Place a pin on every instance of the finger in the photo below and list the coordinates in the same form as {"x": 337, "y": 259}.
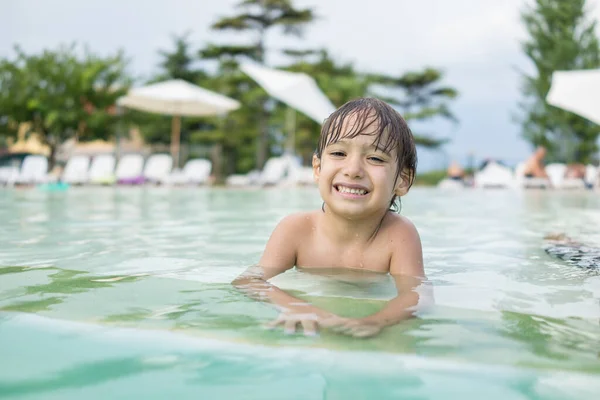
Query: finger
{"x": 331, "y": 321}
{"x": 275, "y": 323}
{"x": 364, "y": 331}
{"x": 289, "y": 327}
{"x": 341, "y": 329}
{"x": 309, "y": 327}
{"x": 345, "y": 326}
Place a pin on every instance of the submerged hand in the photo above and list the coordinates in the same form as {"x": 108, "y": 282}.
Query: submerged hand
{"x": 290, "y": 320}
{"x": 356, "y": 327}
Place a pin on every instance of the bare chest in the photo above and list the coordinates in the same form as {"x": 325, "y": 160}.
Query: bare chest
{"x": 319, "y": 253}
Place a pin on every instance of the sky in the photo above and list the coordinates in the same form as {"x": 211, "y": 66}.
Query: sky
{"x": 475, "y": 42}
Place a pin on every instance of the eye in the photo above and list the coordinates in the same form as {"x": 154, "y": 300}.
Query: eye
{"x": 337, "y": 153}
{"x": 376, "y": 159}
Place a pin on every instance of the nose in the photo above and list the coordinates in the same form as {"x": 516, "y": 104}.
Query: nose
{"x": 353, "y": 167}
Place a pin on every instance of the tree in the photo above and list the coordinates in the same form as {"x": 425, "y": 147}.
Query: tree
{"x": 176, "y": 63}
{"x": 259, "y": 17}
{"x": 233, "y": 137}
{"x": 422, "y": 98}
{"x": 560, "y": 37}
{"x": 61, "y": 95}
{"x": 339, "y": 82}
{"x": 179, "y": 63}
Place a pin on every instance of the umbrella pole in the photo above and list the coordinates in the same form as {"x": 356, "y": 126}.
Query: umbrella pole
{"x": 291, "y": 128}
{"x": 175, "y": 137}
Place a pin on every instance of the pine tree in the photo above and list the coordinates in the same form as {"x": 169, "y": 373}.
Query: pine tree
{"x": 259, "y": 17}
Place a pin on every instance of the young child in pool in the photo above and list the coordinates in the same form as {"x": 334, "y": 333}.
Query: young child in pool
{"x": 365, "y": 160}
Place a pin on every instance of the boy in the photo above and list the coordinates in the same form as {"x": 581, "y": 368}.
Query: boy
{"x": 365, "y": 160}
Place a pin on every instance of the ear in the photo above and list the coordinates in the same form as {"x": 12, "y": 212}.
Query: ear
{"x": 316, "y": 166}
{"x": 402, "y": 185}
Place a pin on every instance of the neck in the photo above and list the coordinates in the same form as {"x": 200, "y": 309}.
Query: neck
{"x": 345, "y": 230}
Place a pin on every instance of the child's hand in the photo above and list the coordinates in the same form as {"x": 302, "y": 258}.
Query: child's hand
{"x": 356, "y": 327}
{"x": 307, "y": 318}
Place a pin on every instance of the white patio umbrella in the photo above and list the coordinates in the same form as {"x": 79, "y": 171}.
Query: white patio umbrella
{"x": 177, "y": 98}
{"x": 578, "y": 92}
{"x": 297, "y": 90}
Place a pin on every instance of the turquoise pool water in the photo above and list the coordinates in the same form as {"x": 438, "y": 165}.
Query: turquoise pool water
{"x": 124, "y": 292}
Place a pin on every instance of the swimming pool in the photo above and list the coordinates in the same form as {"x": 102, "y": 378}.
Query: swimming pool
{"x": 124, "y": 292}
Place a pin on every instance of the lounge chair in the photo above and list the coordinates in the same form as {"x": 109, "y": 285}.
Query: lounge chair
{"x": 525, "y": 182}
{"x": 76, "y": 170}
{"x": 158, "y": 167}
{"x": 451, "y": 184}
{"x": 277, "y": 170}
{"x": 494, "y": 175}
{"x": 102, "y": 170}
{"x": 8, "y": 175}
{"x": 195, "y": 172}
{"x": 299, "y": 175}
{"x": 34, "y": 170}
{"x": 556, "y": 172}
{"x": 592, "y": 176}
{"x": 243, "y": 180}
{"x": 130, "y": 169}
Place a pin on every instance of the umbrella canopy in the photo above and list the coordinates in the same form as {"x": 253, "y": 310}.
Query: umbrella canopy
{"x": 297, "y": 90}
{"x": 177, "y": 98}
{"x": 578, "y": 92}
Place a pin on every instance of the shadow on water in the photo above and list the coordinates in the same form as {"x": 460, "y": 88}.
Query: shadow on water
{"x": 79, "y": 375}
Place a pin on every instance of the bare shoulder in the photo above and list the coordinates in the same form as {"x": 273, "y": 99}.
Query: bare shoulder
{"x": 282, "y": 247}
{"x": 399, "y": 227}
{"x": 298, "y": 222}
{"x": 294, "y": 226}
{"x": 405, "y": 245}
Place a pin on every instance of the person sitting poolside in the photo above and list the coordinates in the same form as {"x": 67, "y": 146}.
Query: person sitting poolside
{"x": 455, "y": 172}
{"x": 365, "y": 161}
{"x": 534, "y": 165}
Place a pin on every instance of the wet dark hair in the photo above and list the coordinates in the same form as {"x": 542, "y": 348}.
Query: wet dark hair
{"x": 392, "y": 132}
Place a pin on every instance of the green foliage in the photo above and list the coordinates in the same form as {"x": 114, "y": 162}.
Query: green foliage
{"x": 560, "y": 37}
{"x": 340, "y": 83}
{"x": 431, "y": 178}
{"x": 421, "y": 98}
{"x": 259, "y": 17}
{"x": 62, "y": 94}
{"x": 180, "y": 62}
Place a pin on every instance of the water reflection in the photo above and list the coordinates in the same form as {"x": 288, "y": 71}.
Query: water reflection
{"x": 219, "y": 311}
{"x": 500, "y": 298}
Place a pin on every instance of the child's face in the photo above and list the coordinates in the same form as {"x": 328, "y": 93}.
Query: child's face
{"x": 356, "y": 179}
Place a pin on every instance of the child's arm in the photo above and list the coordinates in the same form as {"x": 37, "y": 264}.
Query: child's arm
{"x": 406, "y": 267}
{"x": 278, "y": 257}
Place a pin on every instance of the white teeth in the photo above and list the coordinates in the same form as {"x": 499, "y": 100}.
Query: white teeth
{"x": 343, "y": 189}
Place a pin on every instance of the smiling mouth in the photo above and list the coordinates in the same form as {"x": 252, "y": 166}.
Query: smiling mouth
{"x": 350, "y": 190}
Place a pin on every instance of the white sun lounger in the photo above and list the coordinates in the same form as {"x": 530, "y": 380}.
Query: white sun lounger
{"x": 592, "y": 176}
{"x": 243, "y": 180}
{"x": 451, "y": 184}
{"x": 556, "y": 173}
{"x": 33, "y": 170}
{"x": 102, "y": 170}
{"x": 494, "y": 175}
{"x": 158, "y": 167}
{"x": 130, "y": 169}
{"x": 524, "y": 182}
{"x": 76, "y": 170}
{"x": 195, "y": 172}
{"x": 8, "y": 175}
